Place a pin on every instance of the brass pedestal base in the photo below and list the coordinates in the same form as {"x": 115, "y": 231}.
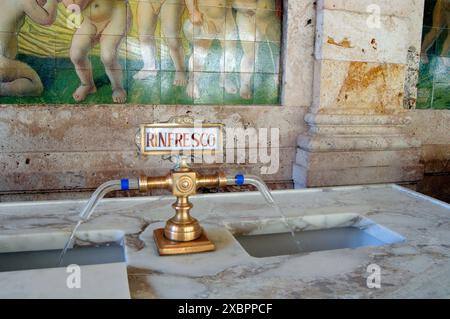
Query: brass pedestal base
{"x": 168, "y": 247}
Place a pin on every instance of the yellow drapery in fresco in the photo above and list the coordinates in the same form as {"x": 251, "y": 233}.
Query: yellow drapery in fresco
{"x": 54, "y": 41}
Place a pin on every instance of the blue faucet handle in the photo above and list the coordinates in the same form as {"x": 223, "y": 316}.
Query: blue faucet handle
{"x": 240, "y": 180}
{"x": 124, "y": 184}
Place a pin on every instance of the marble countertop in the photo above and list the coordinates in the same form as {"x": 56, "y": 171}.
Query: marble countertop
{"x": 419, "y": 267}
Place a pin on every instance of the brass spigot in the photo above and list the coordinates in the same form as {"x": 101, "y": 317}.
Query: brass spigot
{"x": 182, "y": 233}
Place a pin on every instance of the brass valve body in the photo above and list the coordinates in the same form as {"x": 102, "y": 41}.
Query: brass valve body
{"x": 182, "y": 229}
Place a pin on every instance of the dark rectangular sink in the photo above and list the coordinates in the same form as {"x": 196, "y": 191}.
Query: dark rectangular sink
{"x": 274, "y": 238}
{"x": 306, "y": 241}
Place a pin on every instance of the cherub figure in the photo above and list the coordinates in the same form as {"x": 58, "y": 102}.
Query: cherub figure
{"x": 105, "y": 22}
{"x": 17, "y": 78}
{"x": 259, "y": 15}
{"x": 210, "y": 20}
{"x": 171, "y": 12}
{"x": 441, "y": 20}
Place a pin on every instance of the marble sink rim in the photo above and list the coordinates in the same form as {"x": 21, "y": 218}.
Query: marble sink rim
{"x": 32, "y": 239}
{"x": 237, "y": 194}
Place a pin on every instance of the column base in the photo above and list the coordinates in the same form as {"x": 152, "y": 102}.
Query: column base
{"x": 350, "y": 150}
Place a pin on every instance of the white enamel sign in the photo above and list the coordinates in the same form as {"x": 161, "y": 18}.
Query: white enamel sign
{"x": 176, "y": 138}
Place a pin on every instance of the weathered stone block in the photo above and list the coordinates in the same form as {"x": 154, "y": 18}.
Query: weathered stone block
{"x": 356, "y": 175}
{"x": 298, "y": 47}
{"x": 398, "y": 8}
{"x": 341, "y": 160}
{"x": 350, "y": 36}
{"x": 358, "y": 87}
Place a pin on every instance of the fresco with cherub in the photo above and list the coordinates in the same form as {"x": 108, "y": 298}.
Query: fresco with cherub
{"x": 140, "y": 52}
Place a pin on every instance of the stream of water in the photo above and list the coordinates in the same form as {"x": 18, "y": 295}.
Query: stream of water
{"x": 87, "y": 212}
{"x": 88, "y": 209}
{"x": 265, "y": 192}
{"x": 69, "y": 242}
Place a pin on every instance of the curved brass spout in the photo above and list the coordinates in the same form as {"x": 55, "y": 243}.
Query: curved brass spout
{"x": 183, "y": 182}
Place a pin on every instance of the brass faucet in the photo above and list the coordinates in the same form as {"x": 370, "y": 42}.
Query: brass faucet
{"x": 182, "y": 233}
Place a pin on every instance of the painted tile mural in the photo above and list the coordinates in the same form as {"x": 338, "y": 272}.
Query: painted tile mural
{"x": 140, "y": 51}
{"x": 434, "y": 78}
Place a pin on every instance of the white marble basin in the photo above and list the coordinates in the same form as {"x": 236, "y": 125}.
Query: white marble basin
{"x": 278, "y": 237}
{"x": 416, "y": 266}
{"x": 94, "y": 267}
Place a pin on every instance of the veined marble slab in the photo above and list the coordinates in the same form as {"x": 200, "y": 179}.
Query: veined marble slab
{"x": 417, "y": 267}
{"x": 107, "y": 281}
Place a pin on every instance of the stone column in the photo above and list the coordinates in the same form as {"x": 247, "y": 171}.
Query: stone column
{"x": 357, "y": 120}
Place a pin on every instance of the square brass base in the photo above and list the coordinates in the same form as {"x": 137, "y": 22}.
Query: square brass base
{"x": 168, "y": 247}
